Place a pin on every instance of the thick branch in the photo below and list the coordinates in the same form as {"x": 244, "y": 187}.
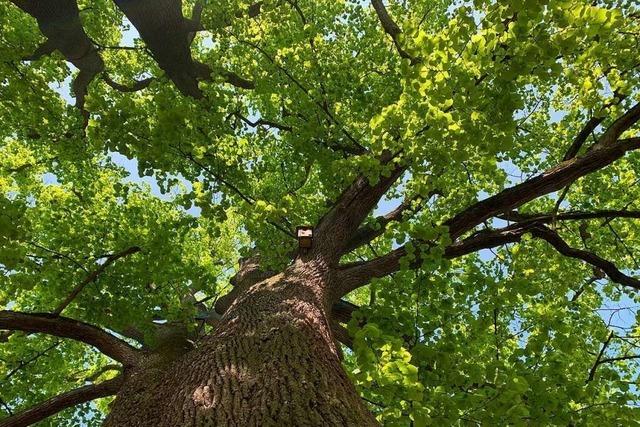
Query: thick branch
{"x": 59, "y": 21}
{"x": 63, "y": 401}
{"x": 570, "y": 215}
{"x": 68, "y": 328}
{"x": 168, "y": 36}
{"x": 339, "y": 225}
{"x": 549, "y": 181}
{"x": 607, "y": 150}
{"x": 353, "y": 275}
{"x": 93, "y": 276}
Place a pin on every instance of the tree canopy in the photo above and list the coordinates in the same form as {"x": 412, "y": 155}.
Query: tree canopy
{"x": 497, "y": 281}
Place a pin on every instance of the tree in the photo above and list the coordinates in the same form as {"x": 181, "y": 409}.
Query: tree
{"x": 470, "y": 170}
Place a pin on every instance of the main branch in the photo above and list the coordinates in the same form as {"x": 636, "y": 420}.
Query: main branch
{"x": 59, "y": 21}
{"x": 337, "y": 228}
{"x": 353, "y": 275}
{"x": 68, "y": 328}
{"x": 606, "y": 151}
{"x": 168, "y": 35}
{"x": 63, "y": 401}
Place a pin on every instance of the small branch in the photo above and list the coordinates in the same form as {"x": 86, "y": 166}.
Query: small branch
{"x": 44, "y": 49}
{"x": 623, "y": 123}
{"x": 63, "y": 401}
{"x": 588, "y": 128}
{"x": 580, "y": 139}
{"x": 93, "y": 276}
{"x": 592, "y": 372}
{"x": 137, "y": 86}
{"x": 64, "y": 327}
{"x": 262, "y": 122}
{"x": 32, "y": 359}
{"x": 237, "y": 81}
{"x": 391, "y": 28}
{"x": 111, "y": 367}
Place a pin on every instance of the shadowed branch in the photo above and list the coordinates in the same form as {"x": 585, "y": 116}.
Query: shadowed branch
{"x": 64, "y": 327}
{"x": 63, "y": 401}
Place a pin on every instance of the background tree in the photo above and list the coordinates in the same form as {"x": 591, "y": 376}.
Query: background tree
{"x": 470, "y": 170}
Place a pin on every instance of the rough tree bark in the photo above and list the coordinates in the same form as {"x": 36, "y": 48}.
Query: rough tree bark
{"x": 272, "y": 360}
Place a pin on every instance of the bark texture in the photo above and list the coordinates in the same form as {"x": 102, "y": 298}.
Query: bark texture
{"x": 272, "y": 361}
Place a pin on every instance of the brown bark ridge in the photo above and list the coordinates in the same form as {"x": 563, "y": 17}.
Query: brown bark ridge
{"x": 272, "y": 361}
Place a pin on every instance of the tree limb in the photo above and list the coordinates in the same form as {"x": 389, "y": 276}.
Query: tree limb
{"x": 93, "y": 276}
{"x": 391, "y": 28}
{"x": 561, "y": 246}
{"x": 588, "y": 128}
{"x": 569, "y": 216}
{"x": 607, "y": 150}
{"x": 59, "y": 21}
{"x": 68, "y": 328}
{"x": 138, "y": 85}
{"x": 592, "y": 372}
{"x": 549, "y": 181}
{"x": 353, "y": 275}
{"x": 63, "y": 401}
{"x": 338, "y": 226}
{"x": 342, "y": 334}
{"x": 168, "y": 36}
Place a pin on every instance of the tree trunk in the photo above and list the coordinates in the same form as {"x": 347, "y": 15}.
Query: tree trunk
{"x": 271, "y": 361}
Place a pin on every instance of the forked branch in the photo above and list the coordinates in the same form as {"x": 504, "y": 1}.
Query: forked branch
{"x": 554, "y": 239}
{"x": 168, "y": 35}
{"x": 351, "y": 276}
{"x": 606, "y": 151}
{"x": 340, "y": 224}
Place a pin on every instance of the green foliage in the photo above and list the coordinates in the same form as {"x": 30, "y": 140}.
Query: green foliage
{"x": 499, "y": 91}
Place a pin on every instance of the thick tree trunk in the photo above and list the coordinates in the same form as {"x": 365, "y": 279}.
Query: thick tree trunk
{"x": 271, "y": 361}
